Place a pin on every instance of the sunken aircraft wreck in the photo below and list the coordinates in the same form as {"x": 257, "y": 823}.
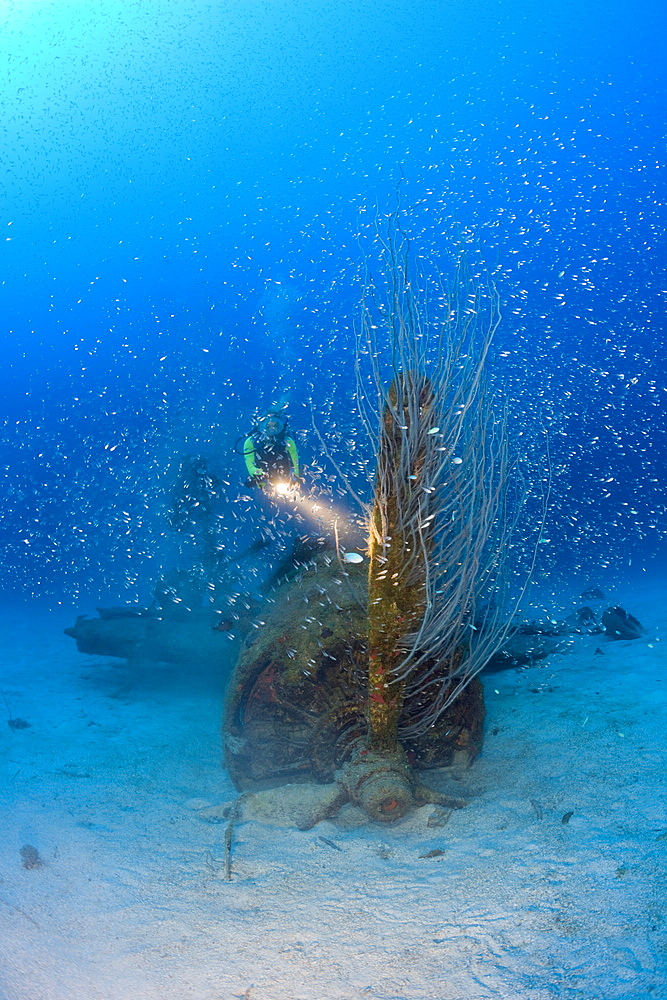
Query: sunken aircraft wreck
{"x": 360, "y": 672}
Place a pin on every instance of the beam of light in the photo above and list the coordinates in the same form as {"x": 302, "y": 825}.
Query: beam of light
{"x": 326, "y": 516}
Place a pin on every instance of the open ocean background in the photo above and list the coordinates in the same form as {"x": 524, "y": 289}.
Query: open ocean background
{"x": 187, "y": 193}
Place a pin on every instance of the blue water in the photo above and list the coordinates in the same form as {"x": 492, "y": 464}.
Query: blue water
{"x": 187, "y": 192}
{"x": 190, "y": 192}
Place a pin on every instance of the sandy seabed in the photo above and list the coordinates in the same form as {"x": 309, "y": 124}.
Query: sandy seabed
{"x": 550, "y": 884}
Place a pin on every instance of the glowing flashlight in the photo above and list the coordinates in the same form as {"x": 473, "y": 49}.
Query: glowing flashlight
{"x": 282, "y": 489}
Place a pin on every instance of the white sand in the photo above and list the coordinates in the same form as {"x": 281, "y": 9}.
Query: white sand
{"x": 131, "y": 902}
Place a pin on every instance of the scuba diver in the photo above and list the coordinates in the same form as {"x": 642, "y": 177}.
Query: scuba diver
{"x": 271, "y": 455}
{"x": 193, "y": 511}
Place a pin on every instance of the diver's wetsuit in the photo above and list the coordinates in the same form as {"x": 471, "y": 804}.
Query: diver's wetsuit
{"x": 272, "y": 458}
